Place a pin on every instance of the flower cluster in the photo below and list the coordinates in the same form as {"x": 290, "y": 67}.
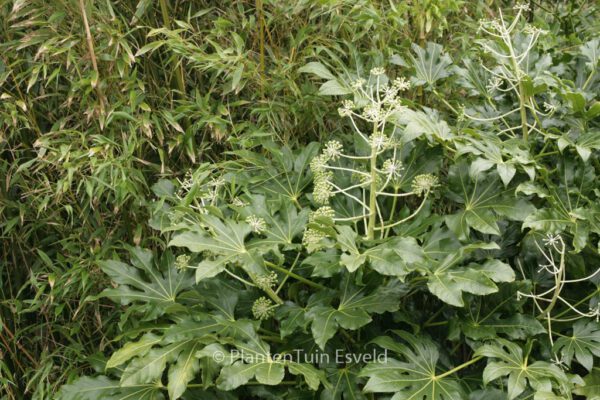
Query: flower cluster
{"x": 424, "y": 183}
{"x": 267, "y": 281}
{"x": 321, "y": 212}
{"x": 257, "y": 224}
{"x": 333, "y": 150}
{"x": 182, "y": 261}
{"x": 392, "y": 168}
{"x": 237, "y": 202}
{"x": 322, "y": 187}
{"x": 346, "y": 109}
{"x": 263, "y": 308}
{"x": 314, "y": 236}
{"x": 379, "y": 141}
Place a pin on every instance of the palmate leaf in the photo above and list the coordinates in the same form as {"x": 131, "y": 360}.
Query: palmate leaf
{"x": 286, "y": 173}
{"x": 251, "y": 359}
{"x": 570, "y": 204}
{"x": 491, "y": 152}
{"x": 354, "y": 309}
{"x": 448, "y": 278}
{"x": 431, "y": 63}
{"x": 183, "y": 370}
{"x": 590, "y": 387}
{"x": 343, "y": 384}
{"x": 154, "y": 286}
{"x": 540, "y": 375}
{"x": 416, "y": 377}
{"x": 133, "y": 349}
{"x": 485, "y": 201}
{"x": 517, "y": 326}
{"x": 103, "y": 388}
{"x": 284, "y": 222}
{"x": 394, "y": 257}
{"x": 584, "y": 344}
{"x": 225, "y": 242}
{"x": 426, "y": 122}
{"x": 148, "y": 368}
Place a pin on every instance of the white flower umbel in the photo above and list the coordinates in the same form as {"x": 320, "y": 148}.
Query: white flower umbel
{"x": 374, "y": 176}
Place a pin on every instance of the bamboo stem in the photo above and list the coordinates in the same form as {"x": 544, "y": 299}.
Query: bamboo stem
{"x": 90, "y": 44}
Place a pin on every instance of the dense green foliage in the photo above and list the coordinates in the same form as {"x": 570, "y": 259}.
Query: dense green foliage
{"x": 248, "y": 199}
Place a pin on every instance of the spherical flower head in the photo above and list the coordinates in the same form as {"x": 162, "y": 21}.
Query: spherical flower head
{"x": 377, "y": 71}
{"x": 424, "y": 183}
{"x": 217, "y": 183}
{"x": 346, "y": 109}
{"x": 182, "y": 261}
{"x": 372, "y": 112}
{"x": 266, "y": 282}
{"x": 312, "y": 237}
{"x": 237, "y": 202}
{"x": 533, "y": 30}
{"x": 321, "y": 212}
{"x": 359, "y": 83}
{"x": 257, "y": 224}
{"x": 494, "y": 84}
{"x": 318, "y": 164}
{"x": 389, "y": 95}
{"x": 523, "y": 7}
{"x": 263, "y": 308}
{"x": 401, "y": 84}
{"x": 333, "y": 150}
{"x": 322, "y": 188}
{"x": 392, "y": 168}
{"x": 379, "y": 141}
{"x": 551, "y": 240}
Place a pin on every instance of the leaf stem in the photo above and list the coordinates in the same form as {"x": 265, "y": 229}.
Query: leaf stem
{"x": 295, "y": 276}
{"x": 458, "y": 368}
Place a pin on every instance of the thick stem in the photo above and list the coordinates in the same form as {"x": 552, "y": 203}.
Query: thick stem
{"x": 522, "y": 96}
{"x": 373, "y": 192}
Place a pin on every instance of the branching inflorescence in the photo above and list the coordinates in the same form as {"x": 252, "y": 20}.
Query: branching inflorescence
{"x": 375, "y": 175}
{"x": 553, "y": 252}
{"x": 511, "y": 44}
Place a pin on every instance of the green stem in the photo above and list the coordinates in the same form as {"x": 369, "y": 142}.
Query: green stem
{"x": 373, "y": 192}
{"x": 589, "y": 79}
{"x": 558, "y": 279}
{"x": 461, "y": 366}
{"x": 164, "y": 9}
{"x": 287, "y": 275}
{"x": 274, "y": 296}
{"x": 393, "y": 211}
{"x": 522, "y": 96}
{"x": 295, "y": 276}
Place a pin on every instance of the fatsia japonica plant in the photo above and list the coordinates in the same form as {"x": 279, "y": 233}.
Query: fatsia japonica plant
{"x": 416, "y": 255}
